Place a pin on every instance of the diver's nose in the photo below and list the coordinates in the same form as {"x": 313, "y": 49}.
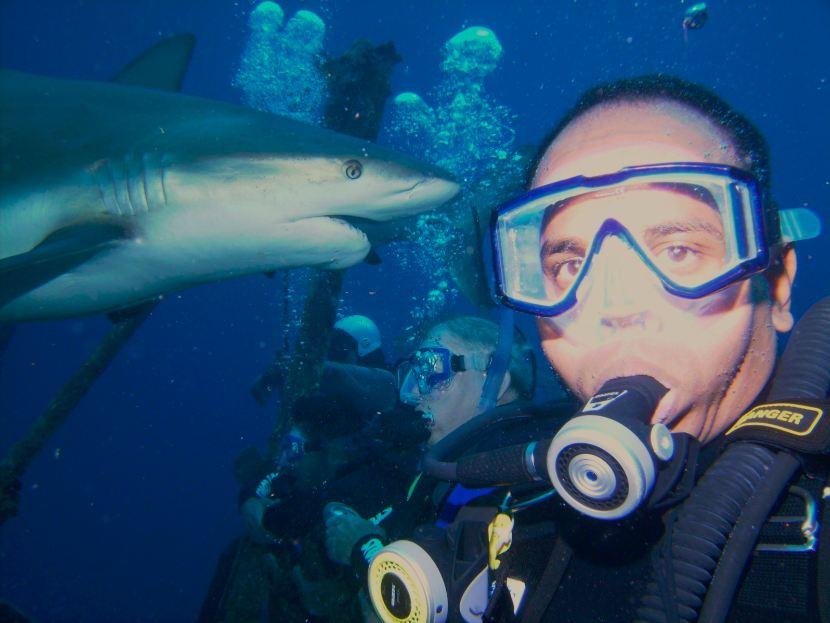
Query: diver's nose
{"x": 622, "y": 281}
{"x": 615, "y": 321}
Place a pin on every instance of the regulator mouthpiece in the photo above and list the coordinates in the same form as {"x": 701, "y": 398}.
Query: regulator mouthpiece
{"x": 604, "y": 461}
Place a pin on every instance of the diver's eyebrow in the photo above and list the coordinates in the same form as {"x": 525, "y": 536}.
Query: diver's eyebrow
{"x": 561, "y": 245}
{"x": 682, "y": 227}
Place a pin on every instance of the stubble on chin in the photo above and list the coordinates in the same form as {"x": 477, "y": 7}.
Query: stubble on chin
{"x": 702, "y": 404}
{"x": 751, "y": 373}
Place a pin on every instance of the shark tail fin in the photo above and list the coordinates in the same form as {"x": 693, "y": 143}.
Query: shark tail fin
{"x": 161, "y": 67}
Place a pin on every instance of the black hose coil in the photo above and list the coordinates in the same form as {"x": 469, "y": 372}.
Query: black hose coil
{"x": 704, "y": 538}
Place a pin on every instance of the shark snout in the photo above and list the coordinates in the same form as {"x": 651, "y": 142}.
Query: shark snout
{"x": 432, "y": 189}
{"x": 421, "y": 185}
{"x": 410, "y": 198}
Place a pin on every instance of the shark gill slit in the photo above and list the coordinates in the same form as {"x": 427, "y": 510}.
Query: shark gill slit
{"x": 151, "y": 171}
{"x": 148, "y": 198}
{"x": 130, "y": 181}
{"x": 103, "y": 178}
{"x": 132, "y": 185}
{"x": 120, "y": 186}
{"x": 112, "y": 179}
{"x": 136, "y": 187}
{"x": 163, "y": 178}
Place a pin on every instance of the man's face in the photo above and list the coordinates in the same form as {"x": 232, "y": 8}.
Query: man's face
{"x": 454, "y": 402}
{"x": 714, "y": 354}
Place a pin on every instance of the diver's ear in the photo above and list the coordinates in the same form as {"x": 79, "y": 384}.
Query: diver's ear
{"x": 781, "y": 278}
{"x": 505, "y": 384}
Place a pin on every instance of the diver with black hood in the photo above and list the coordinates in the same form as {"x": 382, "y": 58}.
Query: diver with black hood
{"x": 690, "y": 481}
{"x": 328, "y": 433}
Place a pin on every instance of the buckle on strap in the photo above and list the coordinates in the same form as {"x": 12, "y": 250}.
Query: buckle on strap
{"x": 808, "y": 525}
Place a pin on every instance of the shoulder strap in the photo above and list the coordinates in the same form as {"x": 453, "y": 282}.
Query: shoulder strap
{"x": 560, "y": 558}
{"x": 801, "y": 426}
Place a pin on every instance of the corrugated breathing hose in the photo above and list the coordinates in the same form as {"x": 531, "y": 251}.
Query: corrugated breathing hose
{"x": 713, "y": 532}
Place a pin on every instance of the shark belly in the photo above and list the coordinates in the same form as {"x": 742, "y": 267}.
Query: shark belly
{"x": 163, "y": 258}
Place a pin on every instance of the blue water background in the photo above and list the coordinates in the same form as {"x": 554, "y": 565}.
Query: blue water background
{"x": 124, "y": 515}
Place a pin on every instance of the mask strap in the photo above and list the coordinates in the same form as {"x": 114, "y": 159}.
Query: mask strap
{"x": 799, "y": 224}
{"x": 458, "y": 363}
{"x": 499, "y": 362}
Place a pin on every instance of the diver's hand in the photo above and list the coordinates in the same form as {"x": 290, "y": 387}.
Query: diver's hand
{"x": 252, "y": 511}
{"x": 344, "y": 528}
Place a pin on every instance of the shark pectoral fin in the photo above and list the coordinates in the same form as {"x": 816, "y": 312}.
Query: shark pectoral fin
{"x": 161, "y": 67}
{"x": 127, "y": 313}
{"x": 59, "y": 252}
{"x": 372, "y": 258}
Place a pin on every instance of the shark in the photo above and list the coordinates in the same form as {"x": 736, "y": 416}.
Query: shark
{"x": 115, "y": 193}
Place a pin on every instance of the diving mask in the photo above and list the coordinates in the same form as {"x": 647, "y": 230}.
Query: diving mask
{"x": 696, "y": 227}
{"x": 430, "y": 369}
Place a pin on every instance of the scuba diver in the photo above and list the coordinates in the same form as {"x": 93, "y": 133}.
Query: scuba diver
{"x": 443, "y": 380}
{"x": 690, "y": 482}
{"x": 356, "y": 339}
{"x": 324, "y": 446}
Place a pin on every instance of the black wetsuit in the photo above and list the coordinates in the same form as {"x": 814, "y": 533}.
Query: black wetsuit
{"x": 362, "y": 450}
{"x": 424, "y": 499}
{"x": 371, "y": 486}
{"x": 603, "y": 567}
{"x": 369, "y": 477}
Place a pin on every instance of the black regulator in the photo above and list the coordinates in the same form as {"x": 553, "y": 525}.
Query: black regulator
{"x": 606, "y": 461}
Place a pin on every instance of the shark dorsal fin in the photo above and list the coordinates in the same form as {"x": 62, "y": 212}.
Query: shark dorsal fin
{"x": 162, "y": 66}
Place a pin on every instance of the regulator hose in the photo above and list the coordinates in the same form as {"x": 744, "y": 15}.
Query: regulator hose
{"x": 499, "y": 364}
{"x": 711, "y": 535}
{"x": 439, "y": 461}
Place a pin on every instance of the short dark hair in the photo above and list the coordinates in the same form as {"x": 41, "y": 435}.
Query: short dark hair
{"x": 745, "y": 137}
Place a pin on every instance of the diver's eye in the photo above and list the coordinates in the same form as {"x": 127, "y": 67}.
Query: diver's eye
{"x": 352, "y": 169}
{"x": 680, "y": 258}
{"x": 563, "y": 272}
{"x": 678, "y": 253}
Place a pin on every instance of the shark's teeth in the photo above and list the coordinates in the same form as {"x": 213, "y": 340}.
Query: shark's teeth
{"x": 131, "y": 185}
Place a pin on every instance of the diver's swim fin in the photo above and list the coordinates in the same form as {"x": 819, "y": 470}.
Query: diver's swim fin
{"x": 58, "y": 253}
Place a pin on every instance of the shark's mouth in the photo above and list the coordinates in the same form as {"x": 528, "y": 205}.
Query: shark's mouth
{"x": 349, "y": 224}
{"x": 341, "y": 243}
{"x": 412, "y": 188}
{"x": 357, "y": 222}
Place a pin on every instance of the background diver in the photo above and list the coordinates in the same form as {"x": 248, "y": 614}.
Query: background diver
{"x": 435, "y": 399}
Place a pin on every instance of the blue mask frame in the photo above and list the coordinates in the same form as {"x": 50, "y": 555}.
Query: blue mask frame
{"x": 450, "y": 364}
{"x": 612, "y": 227}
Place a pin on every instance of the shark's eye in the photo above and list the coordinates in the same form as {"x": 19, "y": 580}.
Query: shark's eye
{"x": 352, "y": 169}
